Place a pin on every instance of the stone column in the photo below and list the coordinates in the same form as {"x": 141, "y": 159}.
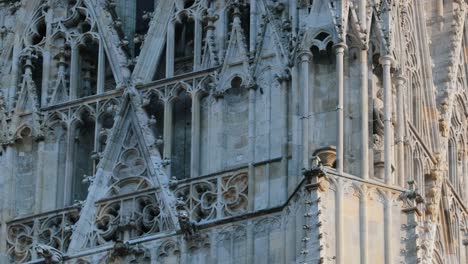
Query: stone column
{"x": 339, "y": 222}
{"x": 339, "y": 51}
{"x": 167, "y": 133}
{"x": 364, "y": 241}
{"x": 293, "y": 14}
{"x": 69, "y": 166}
{"x": 364, "y": 96}
{"x": 170, "y": 50}
{"x": 400, "y": 130}
{"x": 46, "y": 58}
{"x": 195, "y": 151}
{"x": 14, "y": 70}
{"x": 283, "y": 79}
{"x": 74, "y": 65}
{"x": 101, "y": 74}
{"x": 251, "y": 135}
{"x": 388, "y": 230}
{"x": 250, "y": 242}
{"x": 305, "y": 59}
{"x": 386, "y": 62}
{"x": 198, "y": 38}
{"x": 253, "y": 25}
{"x": 40, "y": 179}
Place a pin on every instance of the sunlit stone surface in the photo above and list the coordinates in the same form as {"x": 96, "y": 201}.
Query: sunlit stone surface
{"x": 233, "y": 131}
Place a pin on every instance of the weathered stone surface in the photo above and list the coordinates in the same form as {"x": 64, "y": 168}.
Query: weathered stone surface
{"x": 241, "y": 131}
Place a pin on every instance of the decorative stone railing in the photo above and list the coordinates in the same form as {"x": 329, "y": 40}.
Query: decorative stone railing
{"x": 52, "y": 229}
{"x": 129, "y": 216}
{"x": 215, "y": 197}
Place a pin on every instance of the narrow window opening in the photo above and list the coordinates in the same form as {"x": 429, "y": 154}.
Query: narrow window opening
{"x": 184, "y": 45}
{"x": 161, "y": 68}
{"x": 182, "y": 125}
{"x": 89, "y": 53}
{"x": 83, "y": 165}
{"x": 143, "y": 9}
{"x": 37, "y": 76}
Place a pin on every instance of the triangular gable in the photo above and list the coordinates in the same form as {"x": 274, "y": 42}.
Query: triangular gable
{"x": 271, "y": 38}
{"x": 210, "y": 53}
{"x": 265, "y": 48}
{"x": 131, "y": 163}
{"x": 60, "y": 91}
{"x": 340, "y": 17}
{"x": 320, "y": 15}
{"x": 236, "y": 60}
{"x": 27, "y": 104}
{"x": 27, "y": 100}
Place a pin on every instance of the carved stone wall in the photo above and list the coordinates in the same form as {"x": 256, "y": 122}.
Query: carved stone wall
{"x": 233, "y": 131}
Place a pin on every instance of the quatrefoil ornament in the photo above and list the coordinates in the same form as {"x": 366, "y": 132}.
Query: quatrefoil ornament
{"x": 130, "y": 164}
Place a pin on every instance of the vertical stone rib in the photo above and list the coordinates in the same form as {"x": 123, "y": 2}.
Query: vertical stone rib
{"x": 284, "y": 145}
{"x": 253, "y": 25}
{"x": 386, "y": 62}
{"x": 339, "y": 223}
{"x": 167, "y": 134}
{"x": 251, "y": 135}
{"x": 305, "y": 59}
{"x": 74, "y": 65}
{"x": 197, "y": 45}
{"x": 195, "y": 151}
{"x": 364, "y": 116}
{"x": 339, "y": 51}
{"x": 170, "y": 50}
{"x": 363, "y": 226}
{"x": 400, "y": 131}
{"x": 101, "y": 68}
{"x": 388, "y": 231}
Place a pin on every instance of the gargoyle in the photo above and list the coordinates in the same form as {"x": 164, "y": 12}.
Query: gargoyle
{"x": 188, "y": 228}
{"x": 50, "y": 254}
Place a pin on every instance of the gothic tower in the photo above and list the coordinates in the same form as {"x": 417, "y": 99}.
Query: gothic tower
{"x": 234, "y": 131}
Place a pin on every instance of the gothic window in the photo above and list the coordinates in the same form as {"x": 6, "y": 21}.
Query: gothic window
{"x": 182, "y": 125}
{"x": 461, "y": 170}
{"x": 83, "y": 147}
{"x": 184, "y": 45}
{"x": 452, "y": 160}
{"x": 416, "y": 101}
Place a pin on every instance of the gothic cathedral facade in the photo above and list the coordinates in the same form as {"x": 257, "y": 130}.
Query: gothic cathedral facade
{"x": 234, "y": 131}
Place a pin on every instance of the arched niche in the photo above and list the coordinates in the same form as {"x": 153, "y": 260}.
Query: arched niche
{"x": 235, "y": 123}
{"x": 154, "y": 108}
{"x": 25, "y": 167}
{"x": 82, "y": 143}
